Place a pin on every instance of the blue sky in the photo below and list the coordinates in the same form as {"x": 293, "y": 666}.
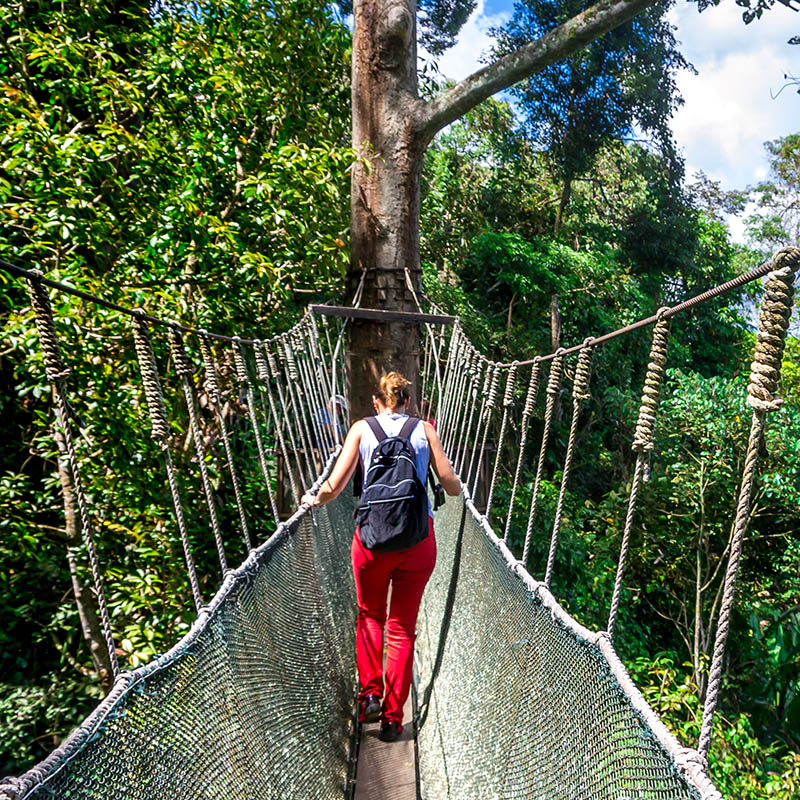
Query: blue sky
{"x": 729, "y": 107}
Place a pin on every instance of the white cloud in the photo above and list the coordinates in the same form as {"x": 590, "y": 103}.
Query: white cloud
{"x": 463, "y": 58}
{"x": 730, "y": 106}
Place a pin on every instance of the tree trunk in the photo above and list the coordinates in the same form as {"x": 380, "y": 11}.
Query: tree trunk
{"x": 566, "y": 193}
{"x": 91, "y": 627}
{"x": 392, "y": 127}
{"x": 385, "y": 199}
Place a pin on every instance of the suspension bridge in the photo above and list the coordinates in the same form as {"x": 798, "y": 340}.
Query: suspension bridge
{"x": 514, "y": 697}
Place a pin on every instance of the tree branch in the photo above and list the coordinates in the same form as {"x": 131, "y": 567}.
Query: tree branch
{"x": 556, "y": 44}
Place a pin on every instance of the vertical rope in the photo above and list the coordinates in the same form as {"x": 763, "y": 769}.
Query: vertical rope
{"x": 264, "y": 375}
{"x": 243, "y": 376}
{"x": 491, "y": 405}
{"x": 213, "y": 392}
{"x": 287, "y": 355}
{"x": 508, "y": 399}
{"x": 487, "y": 380}
{"x": 765, "y": 371}
{"x": 474, "y": 369}
{"x": 56, "y": 372}
{"x": 456, "y": 345}
{"x": 580, "y": 394}
{"x": 553, "y": 390}
{"x": 183, "y": 367}
{"x": 160, "y": 433}
{"x": 527, "y": 412}
{"x": 642, "y": 445}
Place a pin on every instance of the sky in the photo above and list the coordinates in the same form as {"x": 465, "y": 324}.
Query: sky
{"x": 732, "y": 106}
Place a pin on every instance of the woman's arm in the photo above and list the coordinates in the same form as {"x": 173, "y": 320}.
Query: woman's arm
{"x": 342, "y": 469}
{"x": 440, "y": 462}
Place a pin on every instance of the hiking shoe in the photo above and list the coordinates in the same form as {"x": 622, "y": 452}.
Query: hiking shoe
{"x": 390, "y": 731}
{"x": 370, "y": 708}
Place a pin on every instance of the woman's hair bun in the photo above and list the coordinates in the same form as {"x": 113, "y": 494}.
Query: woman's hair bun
{"x": 393, "y": 390}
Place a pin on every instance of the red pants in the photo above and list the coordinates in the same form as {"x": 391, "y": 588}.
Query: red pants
{"x": 407, "y": 571}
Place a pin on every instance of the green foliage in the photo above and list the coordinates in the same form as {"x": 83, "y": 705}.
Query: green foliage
{"x": 156, "y": 159}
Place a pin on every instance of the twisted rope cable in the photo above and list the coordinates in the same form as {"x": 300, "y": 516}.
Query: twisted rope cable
{"x": 508, "y": 399}
{"x": 475, "y": 382}
{"x": 185, "y": 371}
{"x": 460, "y": 398}
{"x": 491, "y": 405}
{"x": 56, "y": 371}
{"x": 765, "y": 371}
{"x": 468, "y": 404}
{"x": 264, "y": 375}
{"x": 287, "y": 356}
{"x": 301, "y": 464}
{"x": 580, "y": 394}
{"x": 243, "y": 376}
{"x": 454, "y": 354}
{"x": 148, "y": 369}
{"x": 553, "y": 390}
{"x": 487, "y": 381}
{"x": 527, "y": 412}
{"x": 642, "y": 445}
{"x": 315, "y": 393}
{"x": 211, "y": 384}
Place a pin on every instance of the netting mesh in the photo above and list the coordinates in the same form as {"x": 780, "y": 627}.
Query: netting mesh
{"x": 256, "y": 703}
{"x": 521, "y": 705}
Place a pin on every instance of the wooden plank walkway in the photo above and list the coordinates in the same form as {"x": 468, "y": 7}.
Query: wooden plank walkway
{"x": 387, "y": 770}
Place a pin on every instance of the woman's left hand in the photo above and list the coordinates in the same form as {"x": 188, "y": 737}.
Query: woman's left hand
{"x": 309, "y": 500}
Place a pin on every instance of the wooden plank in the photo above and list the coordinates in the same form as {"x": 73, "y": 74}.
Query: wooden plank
{"x": 382, "y": 316}
{"x": 386, "y": 770}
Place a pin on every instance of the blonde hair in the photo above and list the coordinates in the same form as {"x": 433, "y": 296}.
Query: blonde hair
{"x": 393, "y": 390}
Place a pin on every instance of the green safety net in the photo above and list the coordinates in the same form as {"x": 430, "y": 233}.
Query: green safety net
{"x": 516, "y": 700}
{"x": 255, "y": 703}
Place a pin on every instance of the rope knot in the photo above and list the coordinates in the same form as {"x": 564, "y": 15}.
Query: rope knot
{"x": 773, "y": 322}
{"x": 262, "y": 367}
{"x": 212, "y": 380}
{"x": 54, "y": 367}
{"x": 533, "y": 387}
{"x": 556, "y": 371}
{"x": 239, "y": 362}
{"x": 183, "y": 367}
{"x": 271, "y": 360}
{"x": 290, "y": 360}
{"x": 583, "y": 370}
{"x": 159, "y": 426}
{"x": 491, "y": 400}
{"x": 645, "y": 425}
{"x": 508, "y": 397}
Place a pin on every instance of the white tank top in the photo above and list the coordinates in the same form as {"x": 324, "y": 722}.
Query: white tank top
{"x": 392, "y": 424}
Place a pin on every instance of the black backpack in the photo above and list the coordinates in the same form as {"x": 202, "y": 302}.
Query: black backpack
{"x": 392, "y": 513}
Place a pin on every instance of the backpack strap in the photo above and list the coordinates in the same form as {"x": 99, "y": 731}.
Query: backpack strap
{"x": 409, "y": 426}
{"x": 377, "y": 429}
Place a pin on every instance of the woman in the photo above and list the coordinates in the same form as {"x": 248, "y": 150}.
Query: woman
{"x": 382, "y": 694}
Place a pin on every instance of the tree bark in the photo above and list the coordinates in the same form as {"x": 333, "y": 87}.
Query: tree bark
{"x": 385, "y": 197}
{"x": 91, "y": 627}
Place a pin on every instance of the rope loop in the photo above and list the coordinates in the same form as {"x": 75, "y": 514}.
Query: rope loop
{"x": 212, "y": 380}
{"x": 491, "y": 400}
{"x": 533, "y": 386}
{"x": 556, "y": 371}
{"x": 271, "y": 360}
{"x": 290, "y": 359}
{"x": 239, "y": 362}
{"x": 159, "y": 425}
{"x": 262, "y": 366}
{"x": 55, "y": 369}
{"x": 183, "y": 367}
{"x": 776, "y": 311}
{"x": 508, "y": 397}
{"x": 645, "y": 425}
{"x": 583, "y": 370}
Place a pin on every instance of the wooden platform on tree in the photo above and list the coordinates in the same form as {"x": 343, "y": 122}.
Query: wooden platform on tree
{"x": 387, "y": 770}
